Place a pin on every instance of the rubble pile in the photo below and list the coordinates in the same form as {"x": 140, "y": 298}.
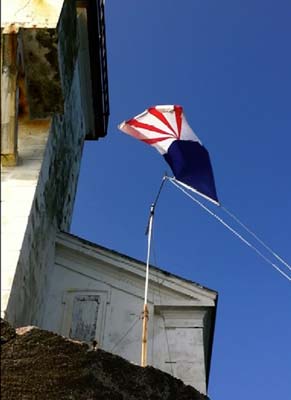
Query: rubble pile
{"x": 40, "y": 365}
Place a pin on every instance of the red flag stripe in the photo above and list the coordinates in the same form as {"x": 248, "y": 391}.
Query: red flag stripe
{"x": 178, "y": 114}
{"x": 162, "y": 118}
{"x": 138, "y": 124}
{"x": 156, "y": 140}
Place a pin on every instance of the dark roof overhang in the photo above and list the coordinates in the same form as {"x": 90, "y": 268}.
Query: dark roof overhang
{"x": 98, "y": 65}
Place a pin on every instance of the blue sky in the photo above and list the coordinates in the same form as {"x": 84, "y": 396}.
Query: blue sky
{"x": 228, "y": 63}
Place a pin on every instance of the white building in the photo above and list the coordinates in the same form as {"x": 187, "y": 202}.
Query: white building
{"x": 97, "y": 294}
{"x": 53, "y": 279}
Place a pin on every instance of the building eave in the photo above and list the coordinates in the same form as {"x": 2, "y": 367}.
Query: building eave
{"x": 63, "y": 238}
{"x": 98, "y": 65}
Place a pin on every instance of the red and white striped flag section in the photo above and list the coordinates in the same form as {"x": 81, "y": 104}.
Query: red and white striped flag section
{"x": 166, "y": 129}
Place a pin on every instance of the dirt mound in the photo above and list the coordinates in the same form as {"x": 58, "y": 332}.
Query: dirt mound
{"x": 40, "y": 365}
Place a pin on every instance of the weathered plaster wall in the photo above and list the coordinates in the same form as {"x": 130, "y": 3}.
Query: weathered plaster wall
{"x": 18, "y": 184}
{"x": 51, "y": 192}
{"x": 29, "y": 14}
{"x": 39, "y": 51}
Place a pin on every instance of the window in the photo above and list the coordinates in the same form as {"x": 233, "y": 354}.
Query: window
{"x": 84, "y": 317}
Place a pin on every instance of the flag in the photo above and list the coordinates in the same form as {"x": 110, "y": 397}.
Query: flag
{"x": 166, "y": 129}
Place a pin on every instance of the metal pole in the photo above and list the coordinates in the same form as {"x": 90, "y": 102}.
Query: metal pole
{"x": 148, "y": 253}
{"x": 145, "y": 314}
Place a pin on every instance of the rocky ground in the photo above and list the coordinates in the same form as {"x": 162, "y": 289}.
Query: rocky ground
{"x": 40, "y": 365}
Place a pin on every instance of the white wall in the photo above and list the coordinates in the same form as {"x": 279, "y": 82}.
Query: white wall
{"x": 18, "y": 185}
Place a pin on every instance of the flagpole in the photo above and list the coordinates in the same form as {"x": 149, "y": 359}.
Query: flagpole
{"x": 145, "y": 313}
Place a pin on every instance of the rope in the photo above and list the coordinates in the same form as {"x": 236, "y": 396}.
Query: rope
{"x": 168, "y": 345}
{"x": 159, "y": 284}
{"x": 231, "y": 230}
{"x": 256, "y": 237}
{"x": 126, "y": 333}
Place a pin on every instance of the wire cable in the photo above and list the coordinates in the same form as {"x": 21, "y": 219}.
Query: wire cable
{"x": 126, "y": 333}
{"x": 231, "y": 230}
{"x": 235, "y": 218}
{"x": 159, "y": 284}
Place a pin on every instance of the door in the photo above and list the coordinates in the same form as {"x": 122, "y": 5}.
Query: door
{"x": 186, "y": 355}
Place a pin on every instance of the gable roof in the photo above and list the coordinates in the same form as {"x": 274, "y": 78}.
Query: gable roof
{"x": 92, "y": 249}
